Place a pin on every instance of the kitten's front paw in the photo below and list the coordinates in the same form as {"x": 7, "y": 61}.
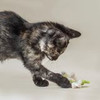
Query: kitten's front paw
{"x": 63, "y": 82}
{"x": 40, "y": 82}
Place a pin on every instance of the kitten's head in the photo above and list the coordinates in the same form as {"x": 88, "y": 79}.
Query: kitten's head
{"x": 56, "y": 40}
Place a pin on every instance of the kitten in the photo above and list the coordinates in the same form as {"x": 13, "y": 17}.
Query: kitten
{"x": 32, "y": 42}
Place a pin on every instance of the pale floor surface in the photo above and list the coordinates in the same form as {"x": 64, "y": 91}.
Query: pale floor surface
{"x": 82, "y": 55}
{"x": 16, "y": 84}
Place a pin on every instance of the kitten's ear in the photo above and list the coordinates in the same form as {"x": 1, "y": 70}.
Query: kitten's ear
{"x": 73, "y": 33}
{"x": 70, "y": 32}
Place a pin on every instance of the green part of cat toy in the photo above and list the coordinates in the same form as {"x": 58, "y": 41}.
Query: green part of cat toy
{"x": 85, "y": 82}
{"x": 73, "y": 80}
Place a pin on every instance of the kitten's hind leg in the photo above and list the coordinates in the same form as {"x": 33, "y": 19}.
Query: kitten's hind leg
{"x": 39, "y": 81}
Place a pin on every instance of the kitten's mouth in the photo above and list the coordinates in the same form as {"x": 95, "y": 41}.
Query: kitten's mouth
{"x": 52, "y": 58}
{"x": 49, "y": 57}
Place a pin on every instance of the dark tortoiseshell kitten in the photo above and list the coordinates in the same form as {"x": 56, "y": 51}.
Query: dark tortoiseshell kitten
{"x": 31, "y": 42}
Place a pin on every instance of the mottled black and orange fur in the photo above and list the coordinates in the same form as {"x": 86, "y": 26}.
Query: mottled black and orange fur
{"x": 32, "y": 42}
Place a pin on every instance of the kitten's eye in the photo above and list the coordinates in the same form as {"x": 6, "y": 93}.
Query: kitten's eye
{"x": 59, "y": 44}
